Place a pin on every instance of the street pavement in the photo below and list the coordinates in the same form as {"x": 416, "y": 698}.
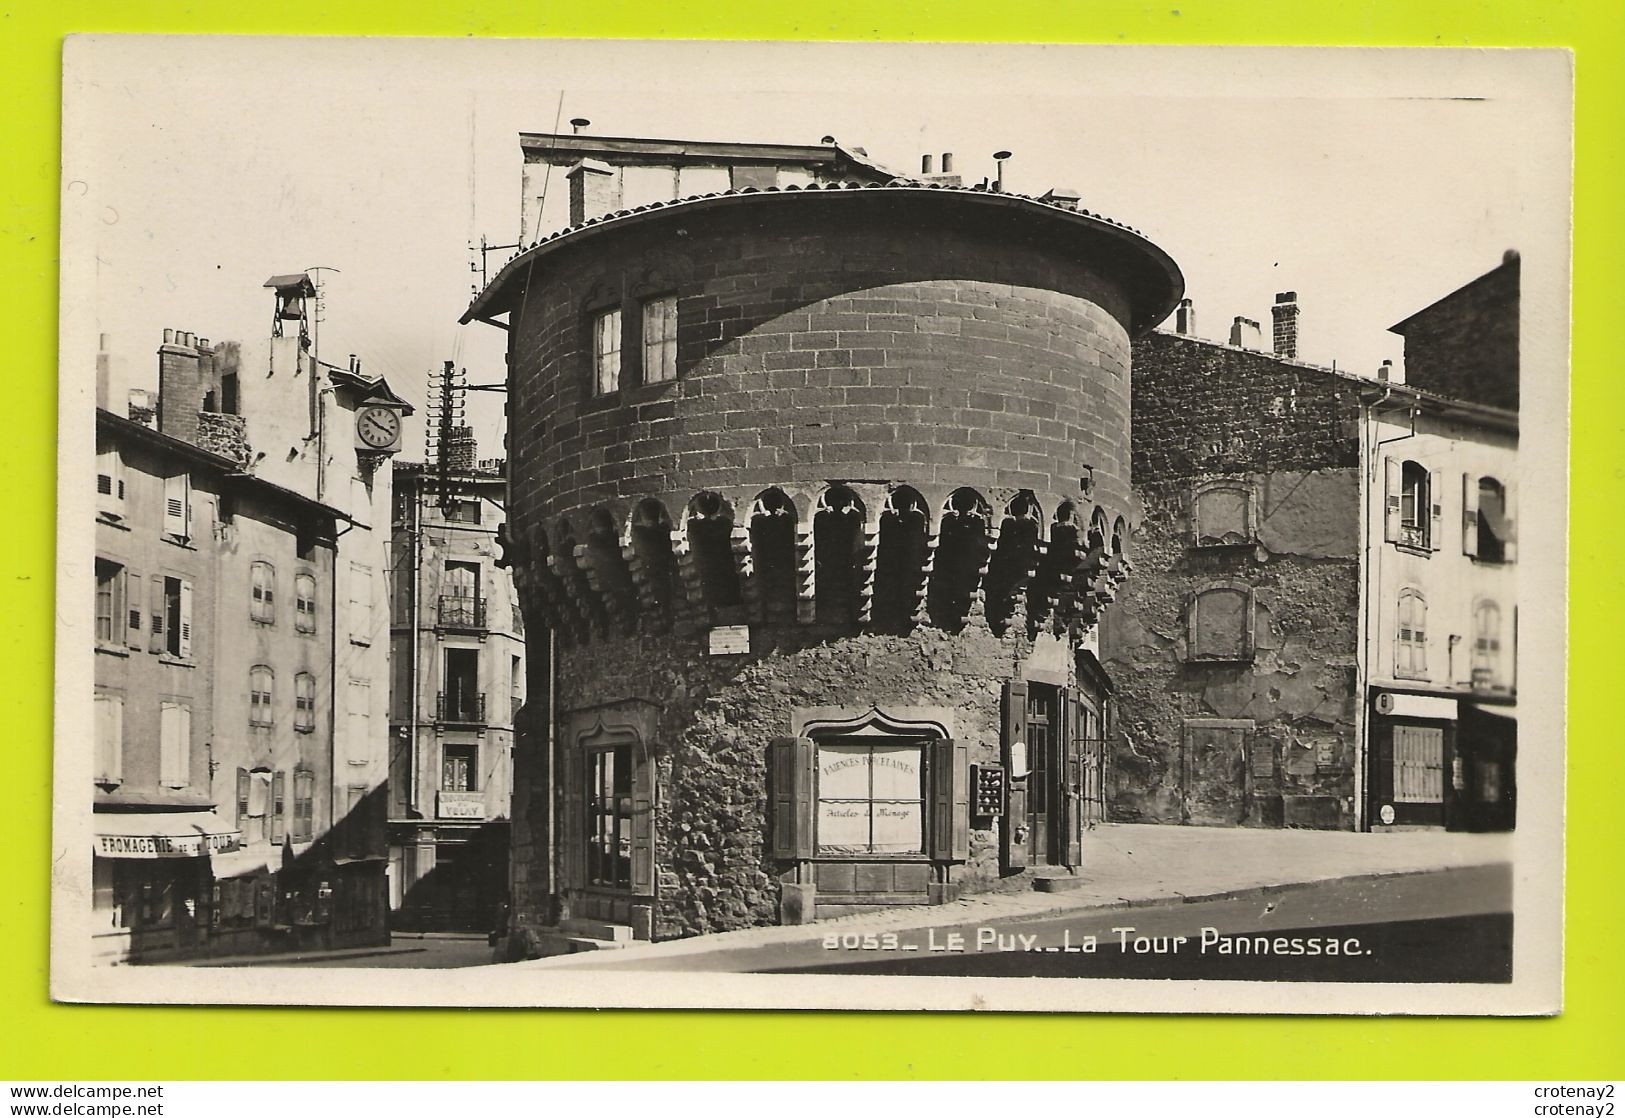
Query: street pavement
{"x": 1429, "y": 888}
{"x": 426, "y": 951}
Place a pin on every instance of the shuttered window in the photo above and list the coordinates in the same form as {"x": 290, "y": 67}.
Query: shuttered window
{"x": 109, "y": 766}
{"x": 304, "y": 805}
{"x": 1418, "y": 764}
{"x": 304, "y": 702}
{"x": 174, "y": 745}
{"x": 871, "y": 797}
{"x": 1410, "y": 637}
{"x": 262, "y": 602}
{"x": 261, "y": 694}
{"x": 360, "y": 603}
{"x": 279, "y": 805}
{"x": 110, "y": 602}
{"x": 304, "y": 603}
{"x": 110, "y": 483}
{"x": 178, "y": 507}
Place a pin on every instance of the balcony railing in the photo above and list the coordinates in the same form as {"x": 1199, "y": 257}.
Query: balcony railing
{"x": 466, "y": 707}
{"x": 461, "y": 612}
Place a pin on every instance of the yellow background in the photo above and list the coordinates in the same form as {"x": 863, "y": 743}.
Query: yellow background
{"x": 48, "y": 1041}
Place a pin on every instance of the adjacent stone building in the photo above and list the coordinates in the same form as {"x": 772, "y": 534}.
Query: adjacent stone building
{"x": 1235, "y": 647}
{"x": 817, "y": 495}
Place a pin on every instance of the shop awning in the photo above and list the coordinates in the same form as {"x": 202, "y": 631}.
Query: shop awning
{"x": 163, "y": 834}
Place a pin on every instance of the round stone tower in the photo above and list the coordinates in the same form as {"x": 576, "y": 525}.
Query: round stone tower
{"x": 816, "y": 496}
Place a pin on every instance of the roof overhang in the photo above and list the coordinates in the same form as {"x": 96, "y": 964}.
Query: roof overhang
{"x": 1149, "y": 276}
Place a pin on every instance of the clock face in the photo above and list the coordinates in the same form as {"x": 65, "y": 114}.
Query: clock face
{"x": 378, "y": 426}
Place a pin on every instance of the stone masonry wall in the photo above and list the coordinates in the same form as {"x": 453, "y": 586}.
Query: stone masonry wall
{"x": 874, "y": 349}
{"x": 717, "y": 717}
{"x": 1466, "y": 344}
{"x": 1287, "y": 435}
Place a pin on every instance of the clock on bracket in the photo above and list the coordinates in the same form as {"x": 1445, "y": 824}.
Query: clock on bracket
{"x": 378, "y": 429}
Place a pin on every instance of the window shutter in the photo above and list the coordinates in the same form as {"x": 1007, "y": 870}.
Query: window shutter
{"x": 1392, "y": 484}
{"x": 1509, "y": 547}
{"x": 643, "y": 862}
{"x": 133, "y": 585}
{"x": 109, "y": 739}
{"x": 792, "y": 761}
{"x": 1015, "y": 730}
{"x": 1469, "y": 514}
{"x": 175, "y": 506}
{"x": 1436, "y": 500}
{"x": 155, "y": 607}
{"x": 186, "y": 620}
{"x": 573, "y": 825}
{"x": 174, "y": 744}
{"x": 242, "y": 796}
{"x": 1072, "y": 790}
{"x": 279, "y": 805}
{"x": 950, "y": 801}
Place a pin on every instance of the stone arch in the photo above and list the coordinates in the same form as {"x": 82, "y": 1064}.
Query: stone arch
{"x": 654, "y": 563}
{"x": 1051, "y": 588}
{"x": 589, "y": 604}
{"x": 904, "y": 552}
{"x": 773, "y": 554}
{"x": 962, "y": 553}
{"x": 1099, "y": 530}
{"x": 838, "y": 572}
{"x": 708, "y": 527}
{"x": 1119, "y": 544}
{"x": 1014, "y": 558}
{"x": 607, "y": 566}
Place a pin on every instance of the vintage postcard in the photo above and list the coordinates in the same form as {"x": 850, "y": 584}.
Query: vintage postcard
{"x": 812, "y": 526}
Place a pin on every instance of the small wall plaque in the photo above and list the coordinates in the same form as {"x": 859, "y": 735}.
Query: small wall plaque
{"x": 730, "y": 640}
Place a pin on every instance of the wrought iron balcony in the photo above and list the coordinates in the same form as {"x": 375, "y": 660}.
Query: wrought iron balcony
{"x": 466, "y": 707}
{"x": 461, "y": 612}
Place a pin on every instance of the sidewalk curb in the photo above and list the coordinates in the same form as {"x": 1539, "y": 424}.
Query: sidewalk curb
{"x": 293, "y": 959}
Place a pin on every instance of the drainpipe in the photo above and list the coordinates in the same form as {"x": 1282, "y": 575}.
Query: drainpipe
{"x": 414, "y": 690}
{"x": 1371, "y": 587}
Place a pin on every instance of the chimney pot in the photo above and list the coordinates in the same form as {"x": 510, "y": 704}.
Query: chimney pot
{"x": 169, "y": 336}
{"x": 1386, "y": 372}
{"x": 925, "y": 164}
{"x": 947, "y": 162}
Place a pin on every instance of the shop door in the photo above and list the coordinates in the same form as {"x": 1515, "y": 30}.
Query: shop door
{"x": 1413, "y": 762}
{"x": 1043, "y": 765}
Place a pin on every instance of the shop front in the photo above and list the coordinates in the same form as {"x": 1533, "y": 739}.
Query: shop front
{"x": 152, "y": 882}
{"x": 1415, "y": 774}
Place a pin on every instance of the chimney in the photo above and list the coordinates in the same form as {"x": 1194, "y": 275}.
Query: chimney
{"x": 595, "y": 190}
{"x": 1246, "y": 333}
{"x": 1285, "y": 311}
{"x": 998, "y": 161}
{"x": 1185, "y": 317}
{"x": 925, "y": 164}
{"x": 180, "y": 386}
{"x": 1386, "y": 372}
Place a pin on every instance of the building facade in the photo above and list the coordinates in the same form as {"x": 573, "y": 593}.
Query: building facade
{"x": 212, "y": 700}
{"x": 817, "y": 495}
{"x": 1235, "y": 648}
{"x": 1441, "y": 614}
{"x": 457, "y": 684}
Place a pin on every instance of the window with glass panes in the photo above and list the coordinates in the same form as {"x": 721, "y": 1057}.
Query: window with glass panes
{"x": 660, "y": 339}
{"x": 109, "y": 602}
{"x": 606, "y": 351}
{"x": 304, "y": 805}
{"x": 262, "y": 577}
{"x": 304, "y": 702}
{"x": 609, "y": 817}
{"x": 261, "y": 682}
{"x": 871, "y": 796}
{"x": 459, "y": 768}
{"x": 304, "y": 603}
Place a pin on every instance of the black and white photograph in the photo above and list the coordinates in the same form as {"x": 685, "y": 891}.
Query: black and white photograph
{"x": 586, "y": 523}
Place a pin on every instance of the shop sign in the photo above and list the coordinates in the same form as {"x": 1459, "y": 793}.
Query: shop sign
{"x": 166, "y": 846}
{"x": 462, "y": 805}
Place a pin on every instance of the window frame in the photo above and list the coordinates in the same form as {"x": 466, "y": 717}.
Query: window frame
{"x": 109, "y": 754}
{"x": 116, "y": 597}
{"x": 665, "y": 345}
{"x": 261, "y": 711}
{"x": 304, "y": 703}
{"x": 304, "y": 606}
{"x": 468, "y": 752}
{"x": 920, "y": 747}
{"x": 1249, "y": 534}
{"x": 1410, "y": 635}
{"x": 604, "y": 381}
{"x": 1248, "y": 650}
{"x": 620, "y": 814}
{"x": 262, "y": 592}
{"x": 1486, "y": 652}
{"x": 111, "y": 501}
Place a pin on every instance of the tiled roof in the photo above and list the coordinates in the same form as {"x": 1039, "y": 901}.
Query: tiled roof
{"x": 902, "y": 184}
